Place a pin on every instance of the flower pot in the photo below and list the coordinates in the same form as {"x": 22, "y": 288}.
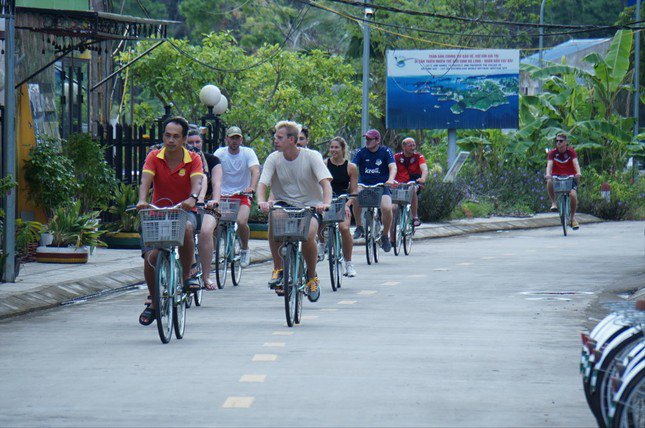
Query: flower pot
{"x": 46, "y": 238}
{"x": 62, "y": 254}
{"x": 259, "y": 230}
{"x": 124, "y": 240}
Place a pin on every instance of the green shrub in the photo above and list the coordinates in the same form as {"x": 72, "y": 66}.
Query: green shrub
{"x": 626, "y": 201}
{"x": 95, "y": 177}
{"x": 50, "y": 176}
{"x": 438, "y": 199}
{"x": 471, "y": 209}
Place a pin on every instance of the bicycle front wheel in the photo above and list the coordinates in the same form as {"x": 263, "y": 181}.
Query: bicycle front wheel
{"x": 221, "y": 256}
{"x": 236, "y": 267}
{"x": 564, "y": 205}
{"x": 369, "y": 244}
{"x": 179, "y": 313}
{"x": 333, "y": 259}
{"x": 289, "y": 284}
{"x": 408, "y": 234}
{"x": 630, "y": 406}
{"x": 164, "y": 296}
{"x": 299, "y": 288}
{"x": 377, "y": 228}
{"x": 398, "y": 231}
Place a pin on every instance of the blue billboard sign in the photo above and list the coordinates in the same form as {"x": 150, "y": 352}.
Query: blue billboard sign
{"x": 452, "y": 89}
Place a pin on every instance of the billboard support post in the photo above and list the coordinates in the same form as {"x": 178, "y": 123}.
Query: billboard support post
{"x": 452, "y": 146}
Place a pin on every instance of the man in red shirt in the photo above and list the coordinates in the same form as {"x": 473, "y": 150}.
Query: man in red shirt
{"x": 411, "y": 166}
{"x": 176, "y": 175}
{"x": 563, "y": 161}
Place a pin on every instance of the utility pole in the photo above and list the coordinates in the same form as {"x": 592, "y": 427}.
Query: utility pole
{"x": 365, "y": 115}
{"x": 637, "y": 58}
{"x": 9, "y": 141}
{"x": 541, "y": 46}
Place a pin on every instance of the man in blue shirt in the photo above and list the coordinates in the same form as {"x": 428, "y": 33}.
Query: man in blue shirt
{"x": 376, "y": 165}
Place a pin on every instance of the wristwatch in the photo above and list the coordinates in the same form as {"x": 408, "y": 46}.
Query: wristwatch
{"x": 194, "y": 196}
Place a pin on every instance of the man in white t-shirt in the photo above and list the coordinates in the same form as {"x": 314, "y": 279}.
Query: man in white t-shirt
{"x": 298, "y": 177}
{"x": 240, "y": 173}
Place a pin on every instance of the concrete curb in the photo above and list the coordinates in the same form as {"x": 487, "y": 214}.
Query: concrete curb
{"x": 20, "y": 301}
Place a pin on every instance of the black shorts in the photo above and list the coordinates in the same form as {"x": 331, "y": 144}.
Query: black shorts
{"x": 192, "y": 218}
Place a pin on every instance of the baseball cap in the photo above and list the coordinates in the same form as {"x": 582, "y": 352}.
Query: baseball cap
{"x": 373, "y": 134}
{"x": 233, "y": 130}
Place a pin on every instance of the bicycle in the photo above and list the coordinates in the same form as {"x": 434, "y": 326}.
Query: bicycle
{"x": 369, "y": 197}
{"x": 291, "y": 226}
{"x": 403, "y": 224}
{"x": 562, "y": 185}
{"x": 163, "y": 229}
{"x": 228, "y": 245}
{"x": 334, "y": 247}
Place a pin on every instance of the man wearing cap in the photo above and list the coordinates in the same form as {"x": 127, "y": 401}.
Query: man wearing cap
{"x": 376, "y": 165}
{"x": 240, "y": 174}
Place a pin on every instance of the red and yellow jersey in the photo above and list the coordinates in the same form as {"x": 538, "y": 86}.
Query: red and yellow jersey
{"x": 170, "y": 187}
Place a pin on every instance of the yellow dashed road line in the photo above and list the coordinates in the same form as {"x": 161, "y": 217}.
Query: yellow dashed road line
{"x": 253, "y": 378}
{"x": 238, "y": 402}
{"x": 264, "y": 357}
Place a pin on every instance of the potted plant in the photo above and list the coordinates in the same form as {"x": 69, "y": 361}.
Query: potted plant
{"x": 258, "y": 223}
{"x": 72, "y": 235}
{"x": 124, "y": 230}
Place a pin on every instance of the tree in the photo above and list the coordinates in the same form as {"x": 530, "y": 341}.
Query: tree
{"x": 313, "y": 88}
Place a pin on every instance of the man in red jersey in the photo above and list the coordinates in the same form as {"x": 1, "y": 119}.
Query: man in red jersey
{"x": 411, "y": 166}
{"x": 563, "y": 161}
{"x": 176, "y": 176}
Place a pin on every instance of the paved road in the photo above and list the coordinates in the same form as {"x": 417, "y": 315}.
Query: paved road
{"x": 480, "y": 330}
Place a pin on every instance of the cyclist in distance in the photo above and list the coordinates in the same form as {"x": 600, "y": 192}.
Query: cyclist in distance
{"x": 176, "y": 176}
{"x": 563, "y": 161}
{"x": 376, "y": 165}
{"x": 299, "y": 178}
{"x": 241, "y": 171}
{"x": 344, "y": 181}
{"x": 411, "y": 166}
{"x": 211, "y": 189}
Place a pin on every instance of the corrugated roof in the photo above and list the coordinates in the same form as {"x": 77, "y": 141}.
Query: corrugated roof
{"x": 567, "y": 48}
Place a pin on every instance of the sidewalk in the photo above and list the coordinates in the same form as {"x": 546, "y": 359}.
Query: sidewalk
{"x": 44, "y": 285}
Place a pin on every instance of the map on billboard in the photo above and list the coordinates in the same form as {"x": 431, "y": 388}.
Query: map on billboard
{"x": 452, "y": 89}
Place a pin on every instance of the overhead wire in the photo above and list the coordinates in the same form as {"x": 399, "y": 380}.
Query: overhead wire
{"x": 376, "y": 6}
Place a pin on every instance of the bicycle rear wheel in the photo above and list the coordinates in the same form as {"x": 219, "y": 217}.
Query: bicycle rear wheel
{"x": 408, "y": 234}
{"x": 236, "y": 267}
{"x": 333, "y": 259}
{"x": 197, "y": 295}
{"x": 221, "y": 256}
{"x": 369, "y": 247}
{"x": 289, "y": 283}
{"x": 164, "y": 296}
{"x": 179, "y": 313}
{"x": 398, "y": 230}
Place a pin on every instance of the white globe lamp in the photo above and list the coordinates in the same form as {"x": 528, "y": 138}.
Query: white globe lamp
{"x": 210, "y": 95}
{"x": 221, "y": 106}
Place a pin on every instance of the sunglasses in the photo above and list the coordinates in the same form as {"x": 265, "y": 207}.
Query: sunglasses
{"x": 370, "y": 139}
{"x": 559, "y": 141}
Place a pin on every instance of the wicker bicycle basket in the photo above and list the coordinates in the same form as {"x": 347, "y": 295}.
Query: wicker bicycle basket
{"x": 163, "y": 227}
{"x": 402, "y": 194}
{"x": 370, "y": 197}
{"x": 289, "y": 225}
{"x": 229, "y": 209}
{"x": 336, "y": 212}
{"x": 562, "y": 185}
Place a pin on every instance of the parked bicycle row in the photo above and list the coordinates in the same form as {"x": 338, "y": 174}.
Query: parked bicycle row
{"x": 613, "y": 367}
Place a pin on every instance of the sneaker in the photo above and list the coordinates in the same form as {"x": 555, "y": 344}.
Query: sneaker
{"x": 276, "y": 278}
{"x": 359, "y": 232}
{"x": 416, "y": 222}
{"x": 386, "y": 244}
{"x": 554, "y": 208}
{"x": 245, "y": 258}
{"x": 321, "y": 251}
{"x": 313, "y": 289}
{"x": 349, "y": 270}
{"x": 574, "y": 224}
